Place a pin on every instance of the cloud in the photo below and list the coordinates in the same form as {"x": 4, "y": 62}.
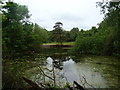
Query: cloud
{"x": 70, "y": 17}
{"x": 72, "y": 13}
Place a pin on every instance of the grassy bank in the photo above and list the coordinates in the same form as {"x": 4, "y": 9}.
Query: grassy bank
{"x": 55, "y": 43}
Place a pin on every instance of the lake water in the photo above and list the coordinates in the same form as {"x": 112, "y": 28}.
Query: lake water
{"x": 88, "y": 70}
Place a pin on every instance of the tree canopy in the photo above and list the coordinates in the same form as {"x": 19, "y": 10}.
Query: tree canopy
{"x": 106, "y": 38}
{"x": 19, "y": 33}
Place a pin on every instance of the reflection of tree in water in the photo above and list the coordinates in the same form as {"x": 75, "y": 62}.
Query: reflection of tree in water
{"x": 59, "y": 58}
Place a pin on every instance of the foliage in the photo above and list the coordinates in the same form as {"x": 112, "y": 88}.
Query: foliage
{"x": 112, "y": 19}
{"x": 19, "y": 34}
{"x": 89, "y": 42}
{"x": 40, "y": 36}
{"x": 58, "y": 33}
{"x": 73, "y": 34}
{"x": 106, "y": 38}
{"x": 13, "y": 34}
{"x": 67, "y": 36}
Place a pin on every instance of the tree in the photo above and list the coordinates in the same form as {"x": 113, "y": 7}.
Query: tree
{"x": 94, "y": 29}
{"x": 58, "y": 34}
{"x": 112, "y": 19}
{"x": 105, "y": 39}
{"x": 40, "y": 35}
{"x": 73, "y": 34}
{"x": 67, "y": 36}
{"x": 15, "y": 28}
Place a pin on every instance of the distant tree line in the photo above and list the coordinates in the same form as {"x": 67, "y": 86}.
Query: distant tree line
{"x": 67, "y": 36}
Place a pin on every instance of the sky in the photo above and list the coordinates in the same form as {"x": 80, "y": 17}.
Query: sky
{"x": 72, "y": 13}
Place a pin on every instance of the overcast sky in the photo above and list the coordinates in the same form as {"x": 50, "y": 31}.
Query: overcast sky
{"x": 72, "y": 13}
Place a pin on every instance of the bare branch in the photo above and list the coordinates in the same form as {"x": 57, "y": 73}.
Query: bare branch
{"x": 45, "y": 74}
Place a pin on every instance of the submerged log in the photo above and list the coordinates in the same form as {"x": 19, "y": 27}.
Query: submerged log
{"x": 78, "y": 86}
{"x": 70, "y": 88}
{"x": 31, "y": 83}
{"x": 34, "y": 86}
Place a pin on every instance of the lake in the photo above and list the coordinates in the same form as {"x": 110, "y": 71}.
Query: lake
{"x": 89, "y": 71}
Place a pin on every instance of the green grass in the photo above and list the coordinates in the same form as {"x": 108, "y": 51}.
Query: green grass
{"x": 55, "y": 43}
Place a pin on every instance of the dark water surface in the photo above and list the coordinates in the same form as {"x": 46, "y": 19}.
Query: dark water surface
{"x": 88, "y": 70}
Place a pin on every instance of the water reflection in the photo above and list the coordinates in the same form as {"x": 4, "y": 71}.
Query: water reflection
{"x": 98, "y": 75}
{"x": 73, "y": 71}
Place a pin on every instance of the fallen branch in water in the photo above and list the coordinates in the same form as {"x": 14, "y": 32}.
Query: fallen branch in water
{"x": 36, "y": 87}
{"x": 87, "y": 82}
{"x": 31, "y": 83}
{"x": 70, "y": 87}
{"x": 45, "y": 74}
{"x": 48, "y": 69}
{"x": 78, "y": 86}
{"x": 83, "y": 83}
